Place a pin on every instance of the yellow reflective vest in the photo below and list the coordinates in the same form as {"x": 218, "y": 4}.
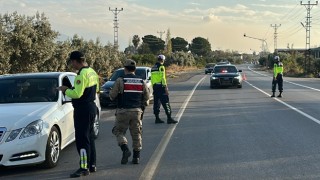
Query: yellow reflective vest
{"x": 158, "y": 74}
{"x": 86, "y": 85}
{"x": 277, "y": 69}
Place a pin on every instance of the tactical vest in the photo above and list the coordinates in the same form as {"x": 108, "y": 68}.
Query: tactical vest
{"x": 132, "y": 94}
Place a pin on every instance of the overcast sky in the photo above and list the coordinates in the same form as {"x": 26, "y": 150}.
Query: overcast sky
{"x": 222, "y": 22}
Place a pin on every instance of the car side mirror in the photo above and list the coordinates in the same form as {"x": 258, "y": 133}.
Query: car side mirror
{"x": 105, "y": 79}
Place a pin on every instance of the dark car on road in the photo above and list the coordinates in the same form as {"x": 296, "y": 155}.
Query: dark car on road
{"x": 226, "y": 76}
{"x": 209, "y": 68}
{"x": 142, "y": 72}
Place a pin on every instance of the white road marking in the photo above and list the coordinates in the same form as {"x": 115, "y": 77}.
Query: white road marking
{"x": 153, "y": 163}
{"x": 286, "y": 81}
{"x": 289, "y": 106}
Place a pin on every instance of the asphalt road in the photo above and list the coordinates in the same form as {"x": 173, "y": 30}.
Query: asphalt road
{"x": 230, "y": 133}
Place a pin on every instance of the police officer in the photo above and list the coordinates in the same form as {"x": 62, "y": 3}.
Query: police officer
{"x": 83, "y": 94}
{"x": 132, "y": 95}
{"x": 277, "y": 76}
{"x": 160, "y": 91}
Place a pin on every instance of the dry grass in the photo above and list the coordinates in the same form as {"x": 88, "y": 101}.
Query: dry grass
{"x": 174, "y": 71}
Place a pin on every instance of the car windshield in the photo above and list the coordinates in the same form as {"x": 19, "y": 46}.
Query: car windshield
{"x": 118, "y": 73}
{"x": 225, "y": 69}
{"x": 209, "y": 65}
{"x": 24, "y": 90}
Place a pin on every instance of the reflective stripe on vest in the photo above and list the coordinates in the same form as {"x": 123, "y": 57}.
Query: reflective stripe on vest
{"x": 133, "y": 85}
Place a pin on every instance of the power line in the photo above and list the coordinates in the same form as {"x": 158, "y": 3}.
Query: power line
{"x": 286, "y": 16}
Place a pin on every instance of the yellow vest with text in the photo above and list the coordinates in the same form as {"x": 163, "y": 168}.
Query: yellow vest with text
{"x": 86, "y": 85}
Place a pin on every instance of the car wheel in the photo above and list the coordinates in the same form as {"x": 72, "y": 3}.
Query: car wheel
{"x": 240, "y": 86}
{"x": 96, "y": 126}
{"x": 52, "y": 149}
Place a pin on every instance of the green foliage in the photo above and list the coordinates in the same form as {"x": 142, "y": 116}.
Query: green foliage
{"x": 200, "y": 46}
{"x": 231, "y": 56}
{"x": 28, "y": 44}
{"x": 181, "y": 58}
{"x": 179, "y": 44}
{"x": 130, "y": 50}
{"x": 168, "y": 45}
{"x": 155, "y": 44}
{"x": 144, "y": 49}
{"x": 135, "y": 41}
{"x": 5, "y": 50}
{"x": 30, "y": 39}
{"x": 144, "y": 59}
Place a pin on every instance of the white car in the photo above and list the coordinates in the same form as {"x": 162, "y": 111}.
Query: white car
{"x": 36, "y": 120}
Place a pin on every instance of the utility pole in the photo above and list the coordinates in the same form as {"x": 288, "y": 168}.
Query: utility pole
{"x": 307, "y": 26}
{"x": 275, "y": 36}
{"x": 115, "y": 11}
{"x": 161, "y": 33}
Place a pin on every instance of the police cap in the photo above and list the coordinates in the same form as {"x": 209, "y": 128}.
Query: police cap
{"x": 76, "y": 55}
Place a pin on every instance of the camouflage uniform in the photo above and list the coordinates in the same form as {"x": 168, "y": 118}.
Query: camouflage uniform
{"x": 132, "y": 95}
{"x": 128, "y": 118}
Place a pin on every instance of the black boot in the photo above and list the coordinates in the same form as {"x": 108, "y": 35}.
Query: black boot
{"x": 158, "y": 120}
{"x": 170, "y": 120}
{"x": 273, "y": 94}
{"x": 126, "y": 153}
{"x": 280, "y": 95}
{"x": 80, "y": 172}
{"x": 136, "y": 157}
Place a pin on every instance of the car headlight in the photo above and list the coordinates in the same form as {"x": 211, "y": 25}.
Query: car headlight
{"x": 212, "y": 77}
{"x": 13, "y": 135}
{"x": 32, "y": 129}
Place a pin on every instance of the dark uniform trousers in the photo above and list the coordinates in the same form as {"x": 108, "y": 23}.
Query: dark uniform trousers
{"x": 160, "y": 97}
{"x": 278, "y": 80}
{"x": 84, "y": 117}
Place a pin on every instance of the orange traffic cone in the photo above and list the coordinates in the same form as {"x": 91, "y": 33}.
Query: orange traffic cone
{"x": 244, "y": 76}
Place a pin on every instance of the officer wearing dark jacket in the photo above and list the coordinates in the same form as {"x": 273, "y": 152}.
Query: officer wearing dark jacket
{"x": 160, "y": 91}
{"x": 277, "y": 77}
{"x": 83, "y": 94}
{"x": 132, "y": 94}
